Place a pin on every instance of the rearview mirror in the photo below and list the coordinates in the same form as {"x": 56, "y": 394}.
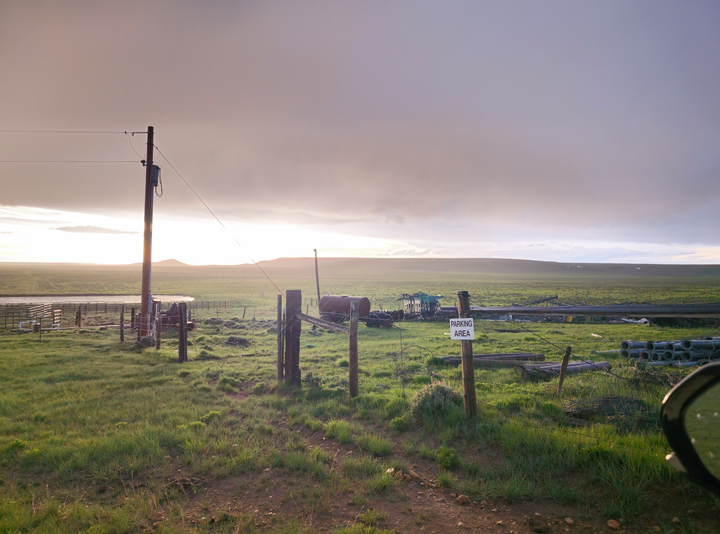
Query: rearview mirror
{"x": 690, "y": 418}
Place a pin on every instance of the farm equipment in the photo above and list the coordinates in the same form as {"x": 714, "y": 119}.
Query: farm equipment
{"x": 336, "y": 309}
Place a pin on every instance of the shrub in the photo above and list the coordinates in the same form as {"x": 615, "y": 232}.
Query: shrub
{"x": 433, "y": 401}
{"x": 400, "y": 424}
{"x": 448, "y": 457}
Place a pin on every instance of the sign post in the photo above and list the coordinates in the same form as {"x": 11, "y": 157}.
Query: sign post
{"x": 464, "y": 330}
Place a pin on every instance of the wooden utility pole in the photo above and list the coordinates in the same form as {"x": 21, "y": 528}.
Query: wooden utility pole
{"x": 466, "y": 353}
{"x": 353, "y": 349}
{"x": 293, "y": 326}
{"x": 317, "y": 277}
{"x": 280, "y": 361}
{"x": 146, "y": 299}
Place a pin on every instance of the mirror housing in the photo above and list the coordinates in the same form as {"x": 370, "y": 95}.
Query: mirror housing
{"x": 672, "y": 418}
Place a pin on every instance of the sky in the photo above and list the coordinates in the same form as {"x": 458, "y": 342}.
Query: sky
{"x": 543, "y": 130}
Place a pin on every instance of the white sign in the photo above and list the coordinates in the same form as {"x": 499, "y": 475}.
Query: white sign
{"x": 462, "y": 329}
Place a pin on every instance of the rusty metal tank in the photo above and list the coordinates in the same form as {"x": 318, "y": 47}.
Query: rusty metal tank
{"x": 336, "y": 308}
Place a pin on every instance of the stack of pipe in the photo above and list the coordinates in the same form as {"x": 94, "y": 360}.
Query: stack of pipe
{"x": 687, "y": 350}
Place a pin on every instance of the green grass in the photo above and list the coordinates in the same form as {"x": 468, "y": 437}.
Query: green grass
{"x": 92, "y": 431}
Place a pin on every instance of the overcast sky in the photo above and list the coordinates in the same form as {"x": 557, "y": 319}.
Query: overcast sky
{"x": 554, "y": 130}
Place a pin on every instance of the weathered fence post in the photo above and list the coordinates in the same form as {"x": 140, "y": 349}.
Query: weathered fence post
{"x": 182, "y": 333}
{"x": 293, "y": 326}
{"x": 158, "y": 325}
{"x": 132, "y": 319}
{"x": 466, "y": 353}
{"x": 563, "y": 368}
{"x": 78, "y": 317}
{"x": 244, "y": 310}
{"x": 122, "y": 323}
{"x": 353, "y": 349}
{"x": 280, "y": 361}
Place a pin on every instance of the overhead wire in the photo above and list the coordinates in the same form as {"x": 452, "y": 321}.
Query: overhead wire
{"x": 68, "y": 161}
{"x": 215, "y": 216}
{"x": 65, "y": 131}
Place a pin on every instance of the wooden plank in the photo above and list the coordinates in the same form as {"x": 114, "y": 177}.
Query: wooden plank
{"x": 478, "y": 360}
{"x": 528, "y": 356}
{"x": 563, "y": 368}
{"x": 323, "y": 324}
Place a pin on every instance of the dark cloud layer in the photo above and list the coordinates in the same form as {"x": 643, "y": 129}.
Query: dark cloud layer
{"x": 591, "y": 118}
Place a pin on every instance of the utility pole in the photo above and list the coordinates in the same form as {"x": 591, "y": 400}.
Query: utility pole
{"x": 146, "y": 298}
{"x": 317, "y": 277}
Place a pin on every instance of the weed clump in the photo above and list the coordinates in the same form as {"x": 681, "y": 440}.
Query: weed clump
{"x": 145, "y": 343}
{"x": 433, "y": 401}
{"x": 400, "y": 424}
{"x": 448, "y": 457}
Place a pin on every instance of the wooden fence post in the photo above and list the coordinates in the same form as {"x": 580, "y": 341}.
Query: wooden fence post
{"x": 280, "y": 361}
{"x": 122, "y": 323}
{"x": 563, "y": 368}
{"x": 353, "y": 349}
{"x": 293, "y": 326}
{"x": 158, "y": 325}
{"x": 466, "y": 352}
{"x": 182, "y": 333}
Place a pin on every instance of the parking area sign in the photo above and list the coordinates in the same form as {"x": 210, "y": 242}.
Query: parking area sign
{"x": 462, "y": 329}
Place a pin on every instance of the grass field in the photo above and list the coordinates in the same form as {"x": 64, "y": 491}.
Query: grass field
{"x": 102, "y": 436}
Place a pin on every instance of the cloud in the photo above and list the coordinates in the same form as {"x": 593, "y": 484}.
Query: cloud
{"x": 534, "y": 121}
{"x": 91, "y": 230}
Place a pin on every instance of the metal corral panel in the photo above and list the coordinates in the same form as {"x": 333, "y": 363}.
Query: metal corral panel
{"x": 340, "y": 305}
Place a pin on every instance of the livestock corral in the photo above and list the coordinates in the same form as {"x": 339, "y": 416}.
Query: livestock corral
{"x": 119, "y": 436}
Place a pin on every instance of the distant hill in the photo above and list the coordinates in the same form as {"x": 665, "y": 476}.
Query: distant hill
{"x": 170, "y": 263}
{"x": 465, "y": 266}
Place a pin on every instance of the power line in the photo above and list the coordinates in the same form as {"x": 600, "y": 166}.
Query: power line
{"x": 216, "y": 217}
{"x": 66, "y": 132}
{"x": 68, "y": 161}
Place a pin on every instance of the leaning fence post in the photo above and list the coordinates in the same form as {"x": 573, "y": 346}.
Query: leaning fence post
{"x": 182, "y": 333}
{"x": 353, "y": 348}
{"x": 293, "y": 326}
{"x": 280, "y": 361}
{"x": 466, "y": 352}
{"x": 563, "y": 368}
